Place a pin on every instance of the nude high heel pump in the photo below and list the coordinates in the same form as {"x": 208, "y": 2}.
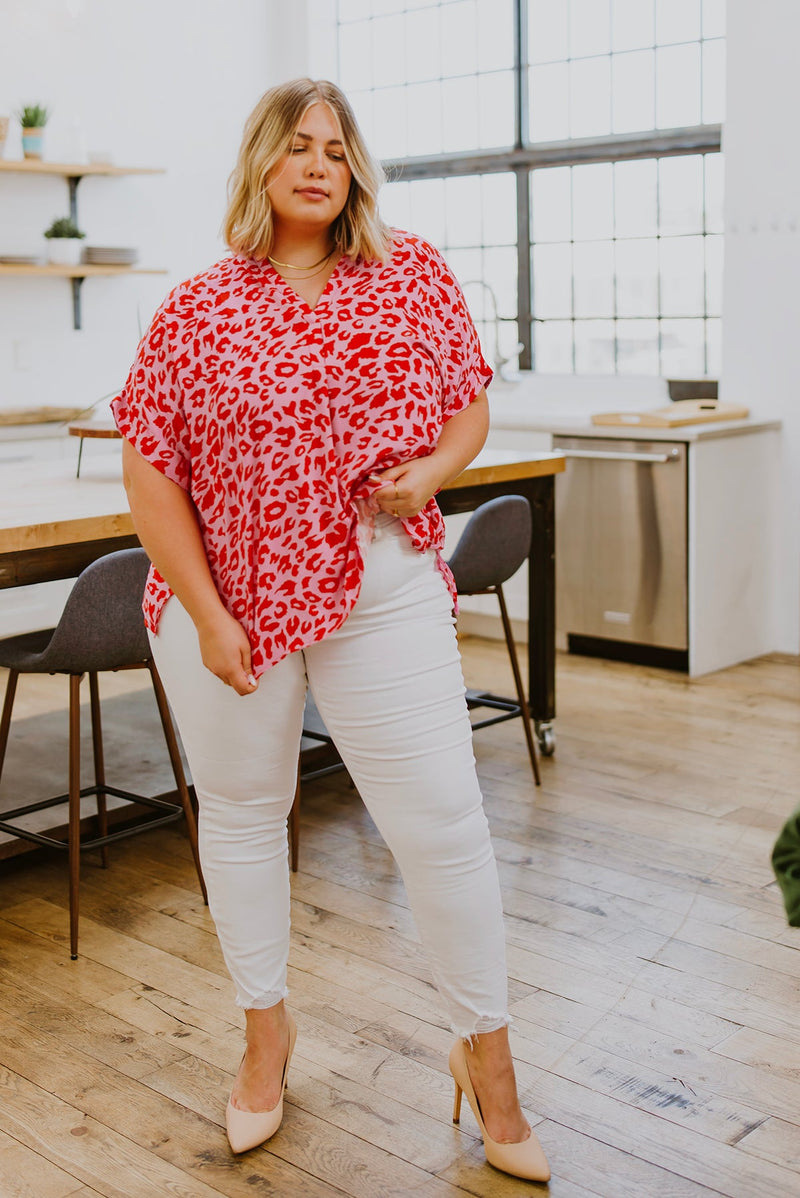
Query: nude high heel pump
{"x": 247, "y": 1129}
{"x": 525, "y": 1159}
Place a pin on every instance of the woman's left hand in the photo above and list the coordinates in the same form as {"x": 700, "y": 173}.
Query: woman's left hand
{"x": 408, "y": 487}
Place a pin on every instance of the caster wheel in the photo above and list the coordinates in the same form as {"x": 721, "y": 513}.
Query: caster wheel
{"x": 547, "y": 739}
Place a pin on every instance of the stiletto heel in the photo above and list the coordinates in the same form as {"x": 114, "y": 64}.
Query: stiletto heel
{"x": 524, "y": 1159}
{"x": 247, "y": 1129}
{"x": 457, "y": 1103}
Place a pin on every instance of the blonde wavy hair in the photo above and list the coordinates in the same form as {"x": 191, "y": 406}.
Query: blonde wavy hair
{"x": 248, "y": 228}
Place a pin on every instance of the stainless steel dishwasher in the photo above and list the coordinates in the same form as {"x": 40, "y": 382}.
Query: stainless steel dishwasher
{"x": 621, "y": 549}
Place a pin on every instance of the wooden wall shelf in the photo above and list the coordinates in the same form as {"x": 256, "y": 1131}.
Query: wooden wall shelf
{"x": 73, "y": 172}
{"x": 77, "y": 272}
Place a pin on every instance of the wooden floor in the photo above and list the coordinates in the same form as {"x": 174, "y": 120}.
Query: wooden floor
{"x": 653, "y": 978}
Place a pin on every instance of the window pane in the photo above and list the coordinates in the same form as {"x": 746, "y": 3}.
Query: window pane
{"x": 637, "y": 277}
{"x": 459, "y": 114}
{"x": 683, "y": 349}
{"x": 423, "y": 47}
{"x": 713, "y": 82}
{"x": 590, "y": 97}
{"x": 388, "y": 48}
{"x": 682, "y": 276}
{"x": 713, "y": 348}
{"x": 713, "y": 18}
{"x": 548, "y": 31}
{"x": 714, "y": 189}
{"x": 551, "y": 205}
{"x": 463, "y": 210}
{"x": 391, "y": 127}
{"x": 592, "y": 201}
{"x": 677, "y": 21}
{"x": 500, "y": 272}
{"x": 678, "y": 100}
{"x": 680, "y": 184}
{"x": 552, "y": 280}
{"x": 633, "y": 91}
{"x": 495, "y": 35}
{"x": 459, "y": 38}
{"x": 593, "y": 282}
{"x": 589, "y": 27}
{"x": 355, "y": 56}
{"x": 499, "y": 197}
{"x": 637, "y": 346}
{"x": 552, "y": 343}
{"x": 424, "y": 103}
{"x": 396, "y": 206}
{"x": 496, "y": 109}
{"x": 635, "y": 198}
{"x": 594, "y": 347}
{"x": 428, "y": 210}
{"x": 632, "y": 24}
{"x": 713, "y": 246}
{"x": 364, "y": 108}
{"x": 549, "y": 103}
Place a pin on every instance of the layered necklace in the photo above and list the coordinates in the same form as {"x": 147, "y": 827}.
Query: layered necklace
{"x": 304, "y": 272}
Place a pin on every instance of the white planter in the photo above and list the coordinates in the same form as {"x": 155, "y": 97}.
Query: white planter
{"x": 64, "y": 251}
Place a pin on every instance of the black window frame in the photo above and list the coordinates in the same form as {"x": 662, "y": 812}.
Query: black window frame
{"x": 525, "y": 156}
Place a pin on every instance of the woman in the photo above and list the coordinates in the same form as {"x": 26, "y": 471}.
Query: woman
{"x": 289, "y": 417}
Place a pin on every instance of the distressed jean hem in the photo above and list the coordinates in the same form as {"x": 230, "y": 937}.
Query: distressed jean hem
{"x": 482, "y": 1025}
{"x": 264, "y": 1001}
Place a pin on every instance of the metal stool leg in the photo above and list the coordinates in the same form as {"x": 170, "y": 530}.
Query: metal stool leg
{"x": 99, "y": 765}
{"x": 523, "y": 702}
{"x": 74, "y": 834}
{"x": 5, "y": 719}
{"x": 177, "y": 769}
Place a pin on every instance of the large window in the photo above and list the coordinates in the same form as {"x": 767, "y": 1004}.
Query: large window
{"x": 564, "y": 155}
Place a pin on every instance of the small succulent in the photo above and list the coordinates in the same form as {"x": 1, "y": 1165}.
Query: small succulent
{"x": 64, "y": 226}
{"x": 33, "y": 116}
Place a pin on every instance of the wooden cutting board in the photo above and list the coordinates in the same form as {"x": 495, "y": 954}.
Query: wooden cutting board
{"x": 684, "y": 411}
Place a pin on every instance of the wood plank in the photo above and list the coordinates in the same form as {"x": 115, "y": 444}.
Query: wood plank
{"x": 653, "y": 979}
{"x": 26, "y": 1174}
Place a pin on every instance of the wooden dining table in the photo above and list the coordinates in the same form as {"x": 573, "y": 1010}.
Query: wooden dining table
{"x": 53, "y": 524}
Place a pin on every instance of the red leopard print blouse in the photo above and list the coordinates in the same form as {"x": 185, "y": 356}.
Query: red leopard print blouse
{"x": 273, "y": 415}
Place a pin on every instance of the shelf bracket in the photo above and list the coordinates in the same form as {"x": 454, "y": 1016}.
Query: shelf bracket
{"x": 72, "y": 184}
{"x": 76, "y": 301}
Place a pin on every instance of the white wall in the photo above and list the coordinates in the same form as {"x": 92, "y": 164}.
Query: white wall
{"x": 165, "y": 83}
{"x": 761, "y": 304}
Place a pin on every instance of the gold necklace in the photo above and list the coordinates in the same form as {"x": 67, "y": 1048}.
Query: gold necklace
{"x": 291, "y": 265}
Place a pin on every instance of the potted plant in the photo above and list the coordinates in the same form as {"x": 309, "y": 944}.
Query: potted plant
{"x": 33, "y": 118}
{"x": 64, "y": 242}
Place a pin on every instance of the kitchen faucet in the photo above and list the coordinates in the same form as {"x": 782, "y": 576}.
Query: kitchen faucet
{"x": 499, "y": 361}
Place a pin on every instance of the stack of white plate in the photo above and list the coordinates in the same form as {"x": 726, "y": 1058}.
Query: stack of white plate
{"x": 19, "y": 259}
{"x": 109, "y": 255}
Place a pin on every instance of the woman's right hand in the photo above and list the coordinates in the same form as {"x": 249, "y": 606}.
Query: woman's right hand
{"x": 225, "y": 650}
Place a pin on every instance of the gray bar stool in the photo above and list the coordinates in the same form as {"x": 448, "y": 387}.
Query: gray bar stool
{"x": 492, "y": 547}
{"x": 101, "y": 628}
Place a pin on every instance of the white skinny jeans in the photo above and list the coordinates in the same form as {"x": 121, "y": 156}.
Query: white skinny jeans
{"x": 389, "y": 687}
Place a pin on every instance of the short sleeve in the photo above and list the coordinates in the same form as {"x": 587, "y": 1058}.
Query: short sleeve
{"x": 149, "y": 410}
{"x": 464, "y": 369}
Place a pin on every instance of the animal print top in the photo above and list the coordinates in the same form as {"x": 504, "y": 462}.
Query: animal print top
{"x": 273, "y": 415}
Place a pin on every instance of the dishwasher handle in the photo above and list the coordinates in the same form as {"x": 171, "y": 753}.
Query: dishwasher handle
{"x": 607, "y": 455}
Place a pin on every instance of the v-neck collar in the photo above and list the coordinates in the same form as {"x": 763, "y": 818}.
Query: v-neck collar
{"x": 298, "y": 297}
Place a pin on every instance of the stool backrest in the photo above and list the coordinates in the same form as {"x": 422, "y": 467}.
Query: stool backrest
{"x": 102, "y": 626}
{"x": 493, "y": 545}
